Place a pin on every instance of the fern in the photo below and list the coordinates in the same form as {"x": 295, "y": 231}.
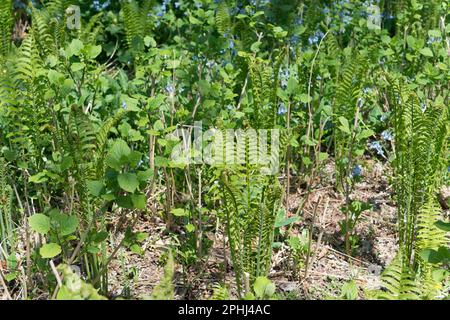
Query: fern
{"x": 251, "y": 205}
{"x": 421, "y": 143}
{"x": 137, "y": 22}
{"x": 223, "y": 21}
{"x": 399, "y": 282}
{"x": 6, "y": 26}
{"x": 348, "y": 91}
{"x": 220, "y": 292}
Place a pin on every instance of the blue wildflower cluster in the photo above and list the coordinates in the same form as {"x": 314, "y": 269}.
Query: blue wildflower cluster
{"x": 376, "y": 146}
{"x": 284, "y": 77}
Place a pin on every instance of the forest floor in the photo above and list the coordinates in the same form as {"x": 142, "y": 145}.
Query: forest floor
{"x": 135, "y": 276}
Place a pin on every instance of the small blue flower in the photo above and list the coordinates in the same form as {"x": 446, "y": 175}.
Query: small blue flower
{"x": 386, "y": 135}
{"x": 170, "y": 88}
{"x": 356, "y": 172}
{"x": 375, "y": 145}
{"x": 281, "y": 109}
{"x": 313, "y": 40}
{"x": 124, "y": 105}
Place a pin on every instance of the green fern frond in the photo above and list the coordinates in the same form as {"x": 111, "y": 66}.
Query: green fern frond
{"x": 399, "y": 282}
{"x": 421, "y": 144}
{"x": 137, "y": 21}
{"x": 6, "y": 26}
{"x": 220, "y": 292}
{"x": 251, "y": 204}
{"x": 223, "y": 20}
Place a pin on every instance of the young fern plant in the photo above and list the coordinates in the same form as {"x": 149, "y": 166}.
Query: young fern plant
{"x": 350, "y": 137}
{"x": 251, "y": 203}
{"x": 6, "y": 26}
{"x": 421, "y": 144}
{"x": 347, "y": 114}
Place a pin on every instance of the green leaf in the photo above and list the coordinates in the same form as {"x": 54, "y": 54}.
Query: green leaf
{"x": 305, "y": 98}
{"x": 77, "y": 66}
{"x": 93, "y": 51}
{"x": 149, "y": 41}
{"x": 435, "y": 33}
{"x": 180, "y": 212}
{"x": 365, "y": 134}
{"x": 139, "y": 201}
{"x": 39, "y": 223}
{"x": 145, "y": 175}
{"x": 95, "y": 187}
{"x": 65, "y": 224}
{"x": 93, "y": 249}
{"x": 204, "y": 86}
{"x": 135, "y": 248}
{"x": 292, "y": 86}
{"x": 426, "y": 52}
{"x": 118, "y": 154}
{"x": 50, "y": 250}
{"x": 190, "y": 227}
{"x": 100, "y": 236}
{"x": 128, "y": 181}
{"x": 158, "y": 125}
{"x": 263, "y": 287}
{"x": 124, "y": 202}
{"x": 443, "y": 225}
{"x": 323, "y": 156}
{"x": 345, "y": 126}
{"x": 141, "y": 236}
{"x": 194, "y": 20}
{"x": 431, "y": 256}
{"x": 74, "y": 48}
{"x": 38, "y": 177}
{"x": 11, "y": 276}
{"x": 55, "y": 77}
{"x": 255, "y": 46}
